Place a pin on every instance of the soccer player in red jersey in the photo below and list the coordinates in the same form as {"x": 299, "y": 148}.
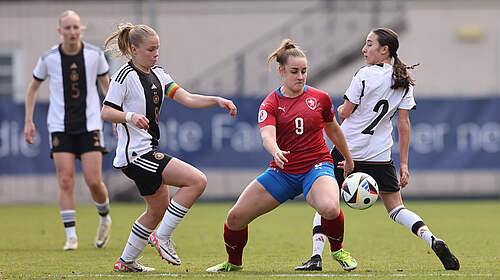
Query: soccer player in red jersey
{"x": 291, "y": 121}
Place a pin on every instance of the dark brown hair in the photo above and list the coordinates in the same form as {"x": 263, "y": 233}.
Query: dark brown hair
{"x": 286, "y": 49}
{"x": 400, "y": 74}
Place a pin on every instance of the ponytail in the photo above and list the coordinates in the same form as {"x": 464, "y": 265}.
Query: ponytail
{"x": 400, "y": 74}
{"x": 286, "y": 49}
{"x": 126, "y": 36}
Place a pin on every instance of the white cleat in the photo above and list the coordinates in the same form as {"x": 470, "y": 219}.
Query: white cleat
{"x": 71, "y": 244}
{"x": 103, "y": 234}
{"x": 165, "y": 248}
{"x": 133, "y": 266}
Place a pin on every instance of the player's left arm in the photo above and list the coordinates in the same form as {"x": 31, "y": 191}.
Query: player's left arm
{"x": 345, "y": 110}
{"x": 104, "y": 83}
{"x": 203, "y": 101}
{"x": 334, "y": 132}
{"x": 404, "y": 144}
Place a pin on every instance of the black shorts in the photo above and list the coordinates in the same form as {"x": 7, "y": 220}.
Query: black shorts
{"x": 76, "y": 144}
{"x": 146, "y": 171}
{"x": 384, "y": 173}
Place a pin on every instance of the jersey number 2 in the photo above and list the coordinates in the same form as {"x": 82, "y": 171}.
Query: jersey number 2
{"x": 385, "y": 107}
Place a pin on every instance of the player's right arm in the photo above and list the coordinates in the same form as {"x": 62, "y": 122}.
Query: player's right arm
{"x": 268, "y": 134}
{"x": 345, "y": 110}
{"x": 29, "y": 126}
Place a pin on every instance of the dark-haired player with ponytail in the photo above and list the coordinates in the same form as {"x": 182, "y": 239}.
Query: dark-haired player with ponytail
{"x": 291, "y": 120}
{"x": 376, "y": 93}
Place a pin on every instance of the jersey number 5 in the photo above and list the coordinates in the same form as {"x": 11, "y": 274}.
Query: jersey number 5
{"x": 385, "y": 107}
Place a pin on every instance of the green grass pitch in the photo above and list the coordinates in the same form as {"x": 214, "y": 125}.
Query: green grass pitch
{"x": 31, "y": 240}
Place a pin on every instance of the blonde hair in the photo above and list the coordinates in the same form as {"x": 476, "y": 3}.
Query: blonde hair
{"x": 126, "y": 36}
{"x": 286, "y": 49}
{"x": 67, "y": 13}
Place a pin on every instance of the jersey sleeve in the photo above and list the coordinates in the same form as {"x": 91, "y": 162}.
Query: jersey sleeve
{"x": 170, "y": 85}
{"x": 328, "y": 110}
{"x": 408, "y": 101}
{"x": 40, "y": 71}
{"x": 267, "y": 112}
{"x": 355, "y": 90}
{"x": 116, "y": 95}
{"x": 102, "y": 67}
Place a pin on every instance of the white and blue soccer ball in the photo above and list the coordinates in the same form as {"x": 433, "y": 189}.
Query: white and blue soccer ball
{"x": 359, "y": 190}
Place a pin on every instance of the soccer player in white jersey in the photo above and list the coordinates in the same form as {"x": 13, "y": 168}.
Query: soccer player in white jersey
{"x": 376, "y": 93}
{"x": 73, "y": 120}
{"x": 134, "y": 102}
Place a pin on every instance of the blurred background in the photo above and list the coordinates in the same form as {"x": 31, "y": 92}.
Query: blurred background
{"x": 221, "y": 47}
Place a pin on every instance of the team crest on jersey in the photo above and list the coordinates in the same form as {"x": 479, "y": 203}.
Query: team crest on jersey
{"x": 158, "y": 156}
{"x": 262, "y": 115}
{"x": 74, "y": 76}
{"x": 312, "y": 103}
{"x": 156, "y": 98}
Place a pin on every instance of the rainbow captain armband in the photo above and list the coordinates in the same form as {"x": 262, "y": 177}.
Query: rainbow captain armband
{"x": 170, "y": 89}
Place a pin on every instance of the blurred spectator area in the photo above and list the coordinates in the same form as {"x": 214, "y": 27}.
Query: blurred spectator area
{"x": 221, "y": 46}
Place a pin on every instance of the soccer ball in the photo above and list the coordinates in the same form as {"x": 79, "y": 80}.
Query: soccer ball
{"x": 359, "y": 190}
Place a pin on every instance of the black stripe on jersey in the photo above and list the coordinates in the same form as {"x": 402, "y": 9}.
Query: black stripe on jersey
{"x": 75, "y": 91}
{"x": 38, "y": 79}
{"x": 105, "y": 73}
{"x": 128, "y": 143}
{"x": 123, "y": 73}
{"x": 362, "y": 94}
{"x": 157, "y": 66}
{"x": 113, "y": 105}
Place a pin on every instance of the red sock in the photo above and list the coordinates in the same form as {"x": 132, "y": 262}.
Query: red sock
{"x": 334, "y": 230}
{"x": 235, "y": 242}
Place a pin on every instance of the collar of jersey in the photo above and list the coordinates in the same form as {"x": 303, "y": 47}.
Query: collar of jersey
{"x": 281, "y": 94}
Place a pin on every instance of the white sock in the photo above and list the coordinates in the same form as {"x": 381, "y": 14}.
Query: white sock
{"x": 103, "y": 210}
{"x": 411, "y": 221}
{"x": 319, "y": 238}
{"x": 69, "y": 220}
{"x": 137, "y": 240}
{"x": 173, "y": 216}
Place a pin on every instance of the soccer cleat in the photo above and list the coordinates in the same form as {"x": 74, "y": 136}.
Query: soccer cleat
{"x": 103, "y": 234}
{"x": 450, "y": 262}
{"x": 133, "y": 266}
{"x": 71, "y": 244}
{"x": 165, "y": 248}
{"x": 225, "y": 267}
{"x": 344, "y": 258}
{"x": 313, "y": 264}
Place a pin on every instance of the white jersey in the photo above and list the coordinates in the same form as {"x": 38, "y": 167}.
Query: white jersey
{"x": 134, "y": 91}
{"x": 368, "y": 130}
{"x": 74, "y": 100}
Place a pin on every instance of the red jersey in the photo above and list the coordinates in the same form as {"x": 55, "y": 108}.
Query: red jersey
{"x": 299, "y": 123}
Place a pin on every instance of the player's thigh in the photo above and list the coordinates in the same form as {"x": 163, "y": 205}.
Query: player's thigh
{"x": 324, "y": 194}
{"x": 92, "y": 166}
{"x": 65, "y": 164}
{"x": 180, "y": 174}
{"x": 391, "y": 199}
{"x": 252, "y": 203}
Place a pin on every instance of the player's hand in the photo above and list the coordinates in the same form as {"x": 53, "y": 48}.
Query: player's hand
{"x": 228, "y": 105}
{"x": 280, "y": 158}
{"x": 140, "y": 121}
{"x": 404, "y": 174}
{"x": 29, "y": 131}
{"x": 348, "y": 166}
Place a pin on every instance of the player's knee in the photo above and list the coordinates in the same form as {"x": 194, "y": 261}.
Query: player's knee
{"x": 200, "y": 183}
{"x": 66, "y": 183}
{"x": 329, "y": 211}
{"x": 234, "y": 220}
